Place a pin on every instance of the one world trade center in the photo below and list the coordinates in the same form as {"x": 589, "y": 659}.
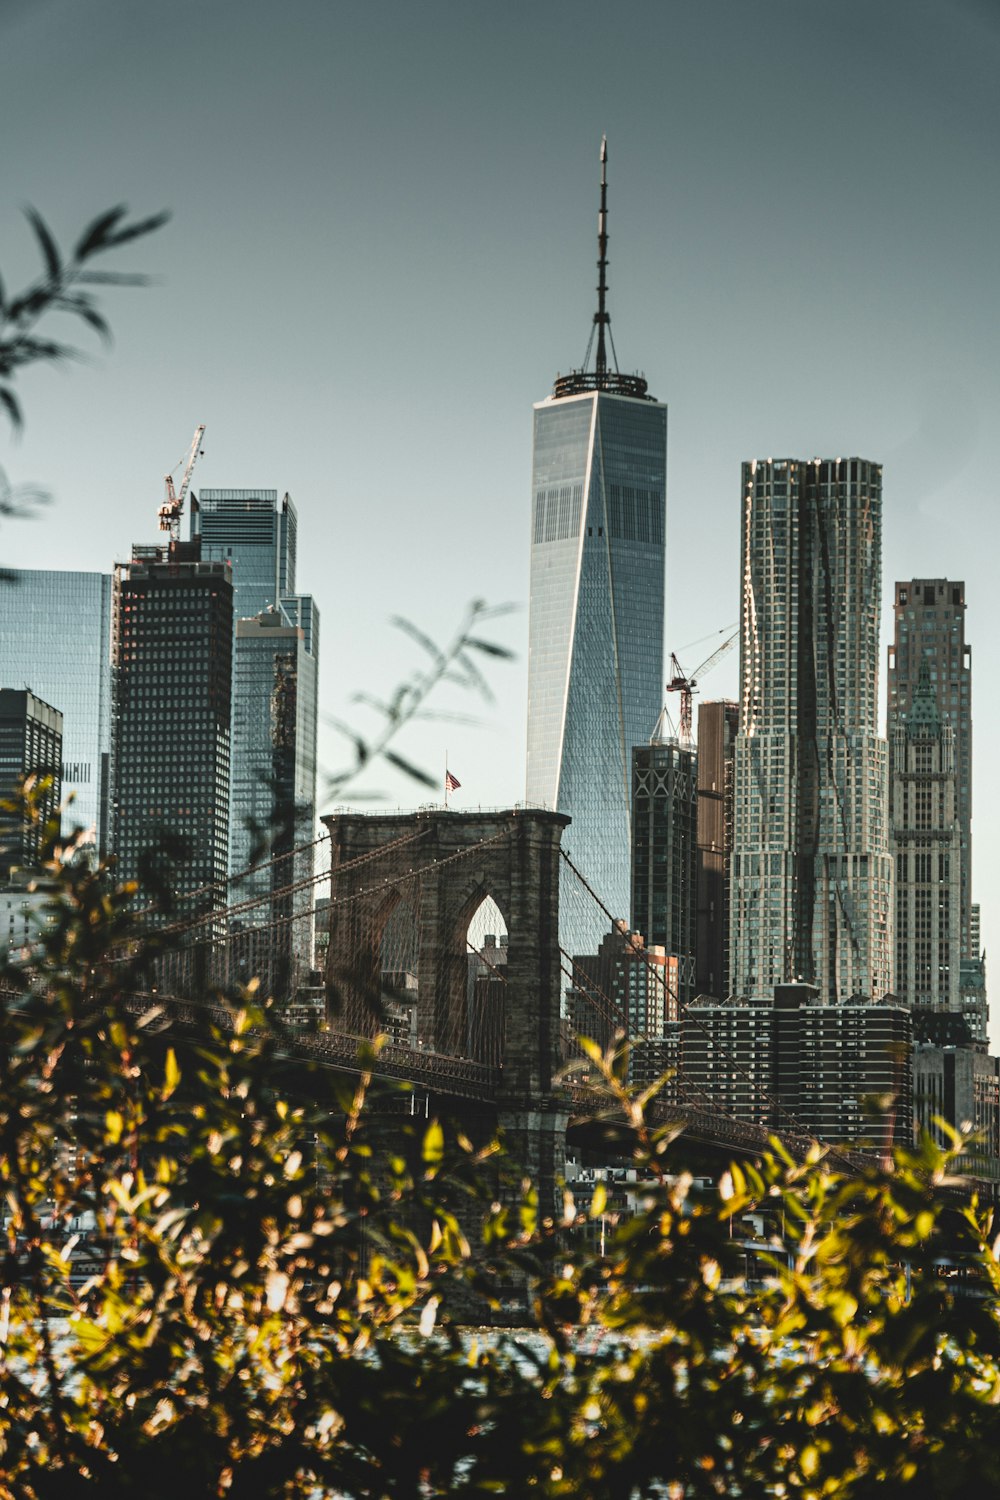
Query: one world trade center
{"x": 595, "y": 636}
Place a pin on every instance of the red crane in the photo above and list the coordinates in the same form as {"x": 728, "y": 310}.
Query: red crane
{"x": 685, "y": 683}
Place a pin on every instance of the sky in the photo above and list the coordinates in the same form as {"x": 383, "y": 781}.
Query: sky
{"x": 382, "y": 252}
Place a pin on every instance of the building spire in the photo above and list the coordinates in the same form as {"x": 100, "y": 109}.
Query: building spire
{"x": 602, "y": 377}
{"x": 602, "y": 318}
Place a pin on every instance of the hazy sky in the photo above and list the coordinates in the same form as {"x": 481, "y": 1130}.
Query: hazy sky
{"x": 382, "y": 252}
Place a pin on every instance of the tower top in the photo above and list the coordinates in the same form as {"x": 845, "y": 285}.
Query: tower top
{"x": 601, "y": 378}
{"x": 924, "y": 719}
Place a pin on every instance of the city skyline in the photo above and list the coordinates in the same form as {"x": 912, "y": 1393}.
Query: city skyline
{"x": 300, "y": 309}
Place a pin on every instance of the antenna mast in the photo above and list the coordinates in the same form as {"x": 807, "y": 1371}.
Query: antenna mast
{"x": 601, "y": 316}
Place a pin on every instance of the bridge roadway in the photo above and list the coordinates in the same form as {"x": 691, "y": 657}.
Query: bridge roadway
{"x": 461, "y": 1079}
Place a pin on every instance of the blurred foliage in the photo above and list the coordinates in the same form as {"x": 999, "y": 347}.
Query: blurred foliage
{"x": 278, "y": 1276}
{"x": 65, "y": 284}
{"x": 457, "y": 664}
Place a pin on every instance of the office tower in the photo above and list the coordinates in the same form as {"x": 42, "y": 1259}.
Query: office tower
{"x": 274, "y": 794}
{"x": 258, "y": 537}
{"x": 789, "y": 1062}
{"x": 930, "y": 626}
{"x": 31, "y": 743}
{"x": 812, "y": 892}
{"x": 595, "y": 634}
{"x": 664, "y": 787}
{"x": 927, "y": 848}
{"x": 172, "y": 641}
{"x": 717, "y": 726}
{"x": 55, "y": 638}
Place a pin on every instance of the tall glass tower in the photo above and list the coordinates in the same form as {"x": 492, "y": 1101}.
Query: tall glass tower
{"x": 55, "y": 638}
{"x": 595, "y": 634}
{"x": 257, "y": 535}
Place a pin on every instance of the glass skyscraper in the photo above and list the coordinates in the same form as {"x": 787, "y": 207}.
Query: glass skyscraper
{"x": 274, "y": 791}
{"x": 595, "y": 634}
{"x": 257, "y": 535}
{"x": 55, "y": 638}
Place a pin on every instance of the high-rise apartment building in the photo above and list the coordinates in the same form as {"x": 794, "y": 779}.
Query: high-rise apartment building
{"x": 788, "y": 1062}
{"x": 595, "y": 635}
{"x": 55, "y": 639}
{"x": 718, "y": 723}
{"x": 927, "y": 848}
{"x": 31, "y": 744}
{"x": 812, "y": 889}
{"x": 172, "y": 641}
{"x": 930, "y": 627}
{"x": 274, "y": 792}
{"x": 664, "y": 794}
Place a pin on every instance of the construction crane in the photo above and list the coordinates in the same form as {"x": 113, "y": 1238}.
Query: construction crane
{"x": 685, "y": 683}
{"x": 173, "y": 508}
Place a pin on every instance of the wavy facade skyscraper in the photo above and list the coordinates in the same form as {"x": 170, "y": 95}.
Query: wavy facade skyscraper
{"x": 812, "y": 877}
{"x": 595, "y": 635}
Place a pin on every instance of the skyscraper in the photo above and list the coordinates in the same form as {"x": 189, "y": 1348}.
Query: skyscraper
{"x": 55, "y": 638}
{"x": 812, "y": 889}
{"x": 718, "y": 723}
{"x": 274, "y": 792}
{"x": 257, "y": 535}
{"x": 664, "y": 818}
{"x": 927, "y": 848}
{"x": 930, "y": 627}
{"x": 30, "y": 745}
{"x": 172, "y": 644}
{"x": 595, "y": 634}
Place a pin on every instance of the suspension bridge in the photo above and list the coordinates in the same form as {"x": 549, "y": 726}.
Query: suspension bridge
{"x": 472, "y": 1019}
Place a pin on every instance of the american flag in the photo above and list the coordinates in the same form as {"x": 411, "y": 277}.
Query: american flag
{"x": 451, "y": 783}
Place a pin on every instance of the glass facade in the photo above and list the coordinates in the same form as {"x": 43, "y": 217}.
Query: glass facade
{"x": 274, "y": 784}
{"x": 595, "y": 636}
{"x": 257, "y": 535}
{"x": 55, "y": 633}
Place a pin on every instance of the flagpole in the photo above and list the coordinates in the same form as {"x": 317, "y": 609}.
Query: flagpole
{"x": 446, "y": 779}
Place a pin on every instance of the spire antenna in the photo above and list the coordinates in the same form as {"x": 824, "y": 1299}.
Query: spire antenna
{"x": 602, "y": 317}
{"x": 604, "y": 376}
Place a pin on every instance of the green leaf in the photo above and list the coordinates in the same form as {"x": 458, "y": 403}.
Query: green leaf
{"x": 433, "y": 1146}
{"x": 96, "y": 234}
{"x": 171, "y": 1075}
{"x": 490, "y": 648}
{"x": 49, "y": 249}
{"x": 409, "y": 769}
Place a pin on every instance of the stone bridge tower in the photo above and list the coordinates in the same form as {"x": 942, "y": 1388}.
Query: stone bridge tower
{"x": 444, "y": 863}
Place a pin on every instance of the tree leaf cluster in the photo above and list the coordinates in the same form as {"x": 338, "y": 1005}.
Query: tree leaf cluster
{"x": 66, "y": 283}
{"x": 228, "y": 1272}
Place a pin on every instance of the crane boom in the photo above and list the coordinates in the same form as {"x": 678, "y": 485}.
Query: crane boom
{"x": 173, "y": 507}
{"x": 685, "y": 683}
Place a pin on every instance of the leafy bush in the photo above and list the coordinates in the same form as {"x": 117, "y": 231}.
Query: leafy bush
{"x": 276, "y": 1275}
